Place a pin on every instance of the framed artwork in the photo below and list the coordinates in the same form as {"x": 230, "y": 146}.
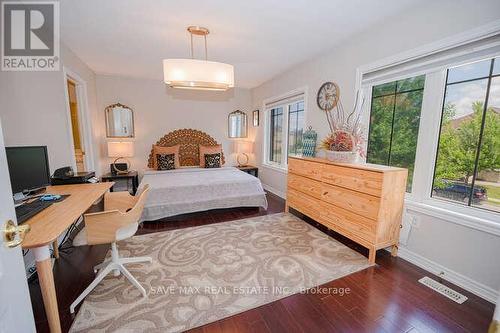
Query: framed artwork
{"x": 255, "y": 116}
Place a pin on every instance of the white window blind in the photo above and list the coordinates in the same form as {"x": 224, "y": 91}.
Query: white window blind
{"x": 436, "y": 60}
{"x": 285, "y": 100}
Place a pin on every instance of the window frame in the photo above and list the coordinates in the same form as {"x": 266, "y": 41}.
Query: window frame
{"x": 288, "y": 127}
{"x": 420, "y": 199}
{"x": 282, "y": 166}
{"x": 395, "y": 95}
{"x": 489, "y": 79}
{"x": 270, "y": 134}
{"x": 465, "y": 43}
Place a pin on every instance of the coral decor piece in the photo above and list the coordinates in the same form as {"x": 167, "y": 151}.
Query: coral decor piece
{"x": 339, "y": 141}
{"x": 346, "y": 132}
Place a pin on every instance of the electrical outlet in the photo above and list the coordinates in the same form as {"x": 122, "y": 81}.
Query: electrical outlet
{"x": 405, "y": 228}
{"x": 415, "y": 223}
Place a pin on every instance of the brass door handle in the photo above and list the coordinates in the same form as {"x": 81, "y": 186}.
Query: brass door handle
{"x": 10, "y": 231}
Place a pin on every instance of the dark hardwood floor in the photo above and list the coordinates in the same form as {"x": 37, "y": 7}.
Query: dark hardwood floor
{"x": 384, "y": 298}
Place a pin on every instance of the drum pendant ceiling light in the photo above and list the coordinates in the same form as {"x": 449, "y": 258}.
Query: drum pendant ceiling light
{"x": 198, "y": 74}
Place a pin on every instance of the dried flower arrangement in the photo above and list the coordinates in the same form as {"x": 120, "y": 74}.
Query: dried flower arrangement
{"x": 338, "y": 141}
{"x": 346, "y": 138}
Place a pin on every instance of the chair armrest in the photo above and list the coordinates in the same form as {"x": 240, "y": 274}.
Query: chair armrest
{"x": 121, "y": 201}
{"x": 101, "y": 227}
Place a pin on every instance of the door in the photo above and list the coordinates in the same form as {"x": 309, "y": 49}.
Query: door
{"x": 76, "y": 126}
{"x": 16, "y": 314}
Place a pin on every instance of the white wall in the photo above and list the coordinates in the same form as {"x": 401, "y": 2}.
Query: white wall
{"x": 33, "y": 108}
{"x": 460, "y": 249}
{"x": 159, "y": 110}
{"x": 33, "y": 111}
{"x": 435, "y": 239}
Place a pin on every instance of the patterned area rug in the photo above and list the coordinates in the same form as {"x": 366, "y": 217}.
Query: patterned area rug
{"x": 203, "y": 274}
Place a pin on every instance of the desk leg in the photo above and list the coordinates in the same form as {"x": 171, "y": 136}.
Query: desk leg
{"x": 44, "y": 270}
{"x": 55, "y": 249}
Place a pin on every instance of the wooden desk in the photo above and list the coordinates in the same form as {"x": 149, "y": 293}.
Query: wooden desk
{"x": 46, "y": 227}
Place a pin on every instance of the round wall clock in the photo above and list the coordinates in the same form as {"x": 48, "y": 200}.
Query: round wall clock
{"x": 328, "y": 96}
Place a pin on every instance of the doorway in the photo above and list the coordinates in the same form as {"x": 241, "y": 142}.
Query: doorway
{"x": 79, "y": 150}
{"x": 79, "y": 124}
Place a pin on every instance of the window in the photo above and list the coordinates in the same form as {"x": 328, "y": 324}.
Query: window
{"x": 276, "y": 135}
{"x": 295, "y": 128}
{"x": 456, "y": 174}
{"x": 284, "y": 137}
{"x": 394, "y": 123}
{"x": 468, "y": 158}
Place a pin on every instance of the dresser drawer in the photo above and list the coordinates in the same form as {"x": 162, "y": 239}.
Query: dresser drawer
{"x": 303, "y": 203}
{"x": 355, "y": 179}
{"x": 305, "y": 185}
{"x": 356, "y": 202}
{"x": 336, "y": 217}
{"x": 305, "y": 168}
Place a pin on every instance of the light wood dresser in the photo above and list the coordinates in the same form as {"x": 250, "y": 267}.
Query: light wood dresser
{"x": 363, "y": 202}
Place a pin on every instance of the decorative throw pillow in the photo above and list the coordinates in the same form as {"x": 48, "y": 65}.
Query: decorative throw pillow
{"x": 212, "y": 160}
{"x": 166, "y": 150}
{"x": 165, "y": 161}
{"x": 217, "y": 149}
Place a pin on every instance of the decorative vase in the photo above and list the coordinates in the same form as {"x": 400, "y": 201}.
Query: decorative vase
{"x": 340, "y": 147}
{"x": 309, "y": 142}
{"x": 341, "y": 156}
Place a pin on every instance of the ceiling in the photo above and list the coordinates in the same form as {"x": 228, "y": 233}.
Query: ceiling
{"x": 261, "y": 38}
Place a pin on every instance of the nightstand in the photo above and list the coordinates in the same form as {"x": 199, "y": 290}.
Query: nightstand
{"x": 131, "y": 175}
{"x": 252, "y": 170}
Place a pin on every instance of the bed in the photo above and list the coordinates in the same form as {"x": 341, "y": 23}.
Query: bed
{"x": 190, "y": 188}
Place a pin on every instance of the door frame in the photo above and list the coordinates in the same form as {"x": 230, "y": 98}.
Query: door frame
{"x": 83, "y": 118}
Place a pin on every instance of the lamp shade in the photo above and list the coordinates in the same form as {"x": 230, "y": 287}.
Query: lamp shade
{"x": 243, "y": 147}
{"x": 121, "y": 149}
{"x": 198, "y": 74}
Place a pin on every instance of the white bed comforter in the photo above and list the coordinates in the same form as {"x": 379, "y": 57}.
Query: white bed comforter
{"x": 181, "y": 191}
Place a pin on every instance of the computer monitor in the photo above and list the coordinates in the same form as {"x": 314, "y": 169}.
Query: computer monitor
{"x": 28, "y": 168}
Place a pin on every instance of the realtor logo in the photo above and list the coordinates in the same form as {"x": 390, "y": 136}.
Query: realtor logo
{"x": 30, "y": 36}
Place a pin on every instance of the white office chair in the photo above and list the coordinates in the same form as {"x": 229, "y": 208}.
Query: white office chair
{"x": 118, "y": 221}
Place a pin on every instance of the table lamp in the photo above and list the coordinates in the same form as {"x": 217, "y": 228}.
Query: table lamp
{"x": 121, "y": 150}
{"x": 243, "y": 148}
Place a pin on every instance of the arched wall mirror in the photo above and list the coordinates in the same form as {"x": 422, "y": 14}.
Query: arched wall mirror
{"x": 119, "y": 121}
{"x": 237, "y": 124}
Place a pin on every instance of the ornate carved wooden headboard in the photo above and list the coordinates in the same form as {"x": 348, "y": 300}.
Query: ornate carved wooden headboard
{"x": 190, "y": 141}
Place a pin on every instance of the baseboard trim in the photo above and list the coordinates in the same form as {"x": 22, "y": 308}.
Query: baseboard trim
{"x": 460, "y": 280}
{"x": 274, "y": 191}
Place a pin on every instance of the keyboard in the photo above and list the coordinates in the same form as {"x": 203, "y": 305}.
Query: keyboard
{"x": 27, "y": 210}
